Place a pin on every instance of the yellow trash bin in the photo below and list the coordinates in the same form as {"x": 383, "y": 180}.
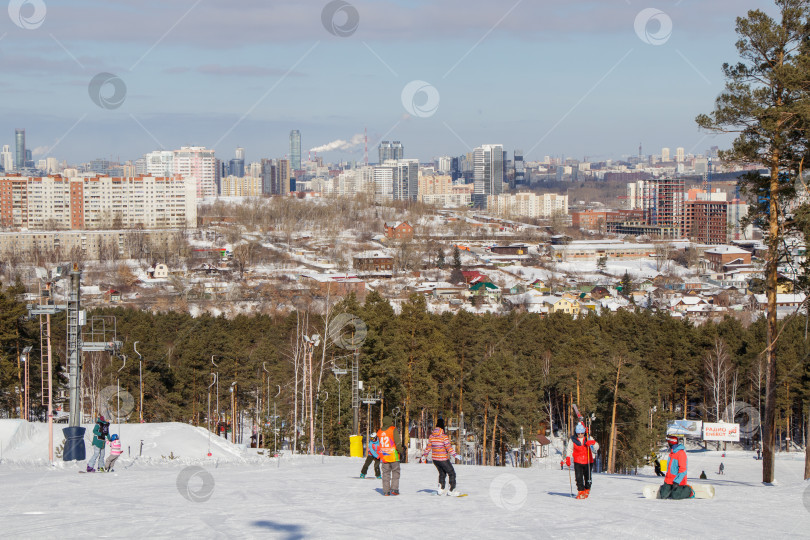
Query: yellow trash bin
{"x": 356, "y": 445}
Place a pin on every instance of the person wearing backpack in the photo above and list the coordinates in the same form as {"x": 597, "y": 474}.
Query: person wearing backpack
{"x": 101, "y": 433}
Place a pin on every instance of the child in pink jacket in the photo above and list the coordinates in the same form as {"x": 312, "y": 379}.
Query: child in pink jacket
{"x": 115, "y": 451}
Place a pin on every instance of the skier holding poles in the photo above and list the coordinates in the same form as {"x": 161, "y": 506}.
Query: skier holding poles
{"x": 581, "y": 448}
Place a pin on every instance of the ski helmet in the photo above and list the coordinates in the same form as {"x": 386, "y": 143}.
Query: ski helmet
{"x": 114, "y": 437}
{"x": 672, "y": 440}
{"x": 373, "y": 435}
{"x": 580, "y": 428}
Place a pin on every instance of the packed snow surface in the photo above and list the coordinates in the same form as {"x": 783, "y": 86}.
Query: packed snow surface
{"x": 237, "y": 493}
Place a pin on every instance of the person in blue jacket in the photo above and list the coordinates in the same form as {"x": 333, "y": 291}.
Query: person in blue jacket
{"x": 675, "y": 486}
{"x": 373, "y": 455}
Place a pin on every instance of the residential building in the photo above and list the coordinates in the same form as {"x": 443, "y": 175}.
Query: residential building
{"x": 383, "y": 183}
{"x": 245, "y": 186}
{"x": 7, "y": 159}
{"x": 487, "y": 173}
{"x": 89, "y": 244}
{"x": 285, "y": 185}
{"x": 707, "y": 221}
{"x": 199, "y": 164}
{"x": 56, "y": 202}
{"x": 398, "y": 229}
{"x": 527, "y": 205}
{"x": 720, "y": 256}
{"x": 373, "y": 261}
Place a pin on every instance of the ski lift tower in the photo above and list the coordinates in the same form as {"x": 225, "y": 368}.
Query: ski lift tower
{"x": 74, "y": 433}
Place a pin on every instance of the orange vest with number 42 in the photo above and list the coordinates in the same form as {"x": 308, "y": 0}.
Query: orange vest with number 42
{"x": 388, "y": 450}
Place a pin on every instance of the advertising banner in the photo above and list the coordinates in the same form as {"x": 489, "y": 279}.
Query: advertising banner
{"x": 721, "y": 432}
{"x": 688, "y": 428}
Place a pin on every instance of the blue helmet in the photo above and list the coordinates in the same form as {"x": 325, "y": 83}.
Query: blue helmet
{"x": 580, "y": 428}
{"x": 114, "y": 437}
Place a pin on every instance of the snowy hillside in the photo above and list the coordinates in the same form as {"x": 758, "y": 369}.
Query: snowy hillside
{"x": 321, "y": 497}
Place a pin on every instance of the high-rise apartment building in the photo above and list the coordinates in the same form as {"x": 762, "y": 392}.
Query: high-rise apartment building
{"x": 283, "y": 169}
{"x": 680, "y": 155}
{"x": 240, "y": 153}
{"x": 20, "y": 155}
{"x": 405, "y": 181}
{"x": 7, "y": 159}
{"x": 295, "y": 150}
{"x": 199, "y": 164}
{"x": 159, "y": 163}
{"x": 665, "y": 154}
{"x": 383, "y": 183}
{"x": 487, "y": 173}
{"x": 268, "y": 176}
{"x": 98, "y": 202}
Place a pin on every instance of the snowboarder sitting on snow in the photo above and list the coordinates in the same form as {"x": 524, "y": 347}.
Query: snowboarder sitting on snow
{"x": 101, "y": 433}
{"x": 115, "y": 452}
{"x": 675, "y": 486}
{"x": 582, "y": 448}
{"x": 390, "y": 450}
{"x": 439, "y": 445}
{"x": 373, "y": 455}
{"x": 703, "y": 475}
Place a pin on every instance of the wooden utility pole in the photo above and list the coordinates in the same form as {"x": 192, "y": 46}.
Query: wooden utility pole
{"x": 612, "y": 445}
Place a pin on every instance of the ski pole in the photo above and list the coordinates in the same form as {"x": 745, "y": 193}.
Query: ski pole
{"x": 570, "y": 484}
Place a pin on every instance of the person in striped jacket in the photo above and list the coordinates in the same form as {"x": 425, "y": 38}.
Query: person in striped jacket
{"x": 115, "y": 451}
{"x": 439, "y": 445}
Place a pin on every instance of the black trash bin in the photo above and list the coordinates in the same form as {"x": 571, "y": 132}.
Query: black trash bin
{"x": 74, "y": 444}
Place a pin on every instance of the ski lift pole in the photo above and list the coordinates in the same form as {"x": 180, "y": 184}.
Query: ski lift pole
{"x": 140, "y": 381}
{"x": 209, "y": 411}
{"x": 118, "y": 394}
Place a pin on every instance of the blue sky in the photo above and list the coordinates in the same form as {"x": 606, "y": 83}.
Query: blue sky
{"x": 549, "y": 77}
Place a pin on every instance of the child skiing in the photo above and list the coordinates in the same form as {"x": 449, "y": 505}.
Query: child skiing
{"x": 373, "y": 455}
{"x": 101, "y": 432}
{"x": 115, "y": 451}
{"x": 582, "y": 448}
{"x": 390, "y": 450}
{"x": 439, "y": 445}
{"x": 675, "y": 486}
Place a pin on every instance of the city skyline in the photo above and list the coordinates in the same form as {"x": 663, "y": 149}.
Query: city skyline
{"x": 591, "y": 78}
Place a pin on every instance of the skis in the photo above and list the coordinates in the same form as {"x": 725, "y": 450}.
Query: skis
{"x": 701, "y": 491}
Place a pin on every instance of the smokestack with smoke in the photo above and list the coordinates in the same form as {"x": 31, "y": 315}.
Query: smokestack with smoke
{"x": 340, "y": 144}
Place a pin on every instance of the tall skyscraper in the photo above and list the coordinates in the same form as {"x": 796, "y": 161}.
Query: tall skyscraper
{"x": 295, "y": 150}
{"x": 680, "y": 155}
{"x": 236, "y": 167}
{"x": 385, "y": 152}
{"x": 397, "y": 150}
{"x": 19, "y": 157}
{"x": 390, "y": 150}
{"x": 665, "y": 154}
{"x": 520, "y": 168}
{"x": 487, "y": 173}
{"x": 240, "y": 153}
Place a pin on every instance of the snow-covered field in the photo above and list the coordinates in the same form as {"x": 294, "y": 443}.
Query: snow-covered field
{"x": 241, "y": 495}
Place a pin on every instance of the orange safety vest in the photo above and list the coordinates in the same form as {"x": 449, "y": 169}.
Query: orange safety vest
{"x": 388, "y": 450}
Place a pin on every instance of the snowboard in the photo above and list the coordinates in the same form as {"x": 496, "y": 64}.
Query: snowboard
{"x": 702, "y": 491}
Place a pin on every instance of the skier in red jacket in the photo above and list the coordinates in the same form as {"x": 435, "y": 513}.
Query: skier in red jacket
{"x": 582, "y": 448}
